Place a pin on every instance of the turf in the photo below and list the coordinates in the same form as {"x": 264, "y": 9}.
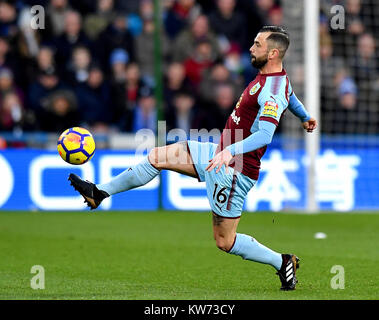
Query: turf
{"x": 172, "y": 255}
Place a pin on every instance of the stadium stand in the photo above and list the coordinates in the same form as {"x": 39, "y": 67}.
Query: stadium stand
{"x": 93, "y": 64}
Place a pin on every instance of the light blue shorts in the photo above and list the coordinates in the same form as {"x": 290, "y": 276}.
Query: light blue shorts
{"x": 226, "y": 191}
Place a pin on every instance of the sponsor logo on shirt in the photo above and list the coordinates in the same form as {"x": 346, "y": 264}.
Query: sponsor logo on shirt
{"x": 270, "y": 109}
{"x": 235, "y": 118}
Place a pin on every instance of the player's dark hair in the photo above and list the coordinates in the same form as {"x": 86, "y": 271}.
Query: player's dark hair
{"x": 279, "y": 38}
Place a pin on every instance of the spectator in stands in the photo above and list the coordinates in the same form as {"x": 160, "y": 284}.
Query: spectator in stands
{"x": 115, "y": 36}
{"x": 133, "y": 84}
{"x": 72, "y": 37}
{"x": 97, "y": 22}
{"x": 254, "y": 21}
{"x": 11, "y": 112}
{"x": 7, "y": 85}
{"x": 346, "y": 41}
{"x": 126, "y": 97}
{"x": 340, "y": 115}
{"x": 187, "y": 40}
{"x": 365, "y": 63}
{"x": 201, "y": 59}
{"x": 347, "y": 90}
{"x": 59, "y": 112}
{"x": 8, "y": 20}
{"x": 263, "y": 9}
{"x": 144, "y": 48}
{"x": 146, "y": 10}
{"x": 7, "y": 60}
{"x": 225, "y": 102}
{"x": 78, "y": 67}
{"x": 46, "y": 83}
{"x": 365, "y": 68}
{"x": 135, "y": 23}
{"x": 93, "y": 97}
{"x": 275, "y": 16}
{"x": 43, "y": 62}
{"x": 227, "y": 22}
{"x": 179, "y": 15}
{"x": 329, "y": 65}
{"x": 233, "y": 61}
{"x": 183, "y": 115}
{"x": 45, "y": 59}
{"x": 175, "y": 81}
{"x": 118, "y": 61}
{"x": 12, "y": 98}
{"x": 56, "y": 13}
{"x": 145, "y": 113}
{"x": 353, "y": 17}
{"x": 218, "y": 75}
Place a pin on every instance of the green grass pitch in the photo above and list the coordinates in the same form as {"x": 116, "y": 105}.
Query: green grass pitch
{"x": 172, "y": 255}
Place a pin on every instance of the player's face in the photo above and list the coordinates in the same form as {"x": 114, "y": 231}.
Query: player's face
{"x": 259, "y": 51}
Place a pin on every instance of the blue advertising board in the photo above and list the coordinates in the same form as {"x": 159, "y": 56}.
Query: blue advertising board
{"x": 35, "y": 179}
{"x": 347, "y": 179}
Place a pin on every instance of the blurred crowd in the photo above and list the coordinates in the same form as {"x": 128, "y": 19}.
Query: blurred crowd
{"x": 350, "y": 67}
{"x": 93, "y": 63}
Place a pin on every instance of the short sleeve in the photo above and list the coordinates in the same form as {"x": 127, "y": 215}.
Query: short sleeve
{"x": 272, "y": 100}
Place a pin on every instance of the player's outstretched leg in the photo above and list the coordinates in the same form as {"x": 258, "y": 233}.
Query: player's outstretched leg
{"x": 224, "y": 230}
{"x": 131, "y": 178}
{"x": 173, "y": 157}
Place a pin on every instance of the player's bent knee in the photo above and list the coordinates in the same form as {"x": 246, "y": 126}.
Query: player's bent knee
{"x": 164, "y": 157}
{"x": 154, "y": 158}
{"x": 224, "y": 244}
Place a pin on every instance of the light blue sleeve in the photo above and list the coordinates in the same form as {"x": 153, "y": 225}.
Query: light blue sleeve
{"x": 272, "y": 105}
{"x": 257, "y": 140}
{"x": 298, "y": 109}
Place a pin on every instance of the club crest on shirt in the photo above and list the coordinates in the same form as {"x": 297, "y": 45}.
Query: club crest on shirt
{"x": 254, "y": 89}
{"x": 270, "y": 109}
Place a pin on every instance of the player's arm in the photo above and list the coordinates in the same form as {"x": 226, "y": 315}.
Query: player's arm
{"x": 298, "y": 109}
{"x": 271, "y": 112}
{"x": 272, "y": 109}
{"x": 257, "y": 140}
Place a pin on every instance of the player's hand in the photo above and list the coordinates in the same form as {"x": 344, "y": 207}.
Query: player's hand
{"x": 310, "y": 125}
{"x": 222, "y": 158}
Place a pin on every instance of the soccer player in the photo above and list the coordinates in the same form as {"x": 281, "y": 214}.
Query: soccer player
{"x": 231, "y": 168}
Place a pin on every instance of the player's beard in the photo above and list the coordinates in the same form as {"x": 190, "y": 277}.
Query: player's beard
{"x": 259, "y": 63}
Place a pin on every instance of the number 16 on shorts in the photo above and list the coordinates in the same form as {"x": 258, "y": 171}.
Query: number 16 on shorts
{"x": 219, "y": 196}
{"x": 227, "y": 199}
